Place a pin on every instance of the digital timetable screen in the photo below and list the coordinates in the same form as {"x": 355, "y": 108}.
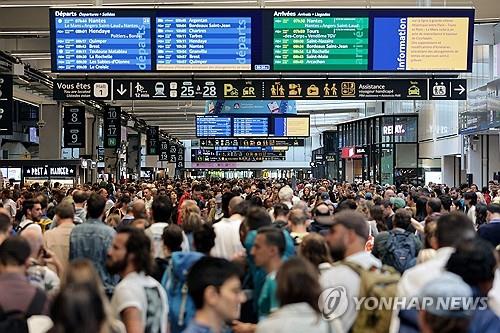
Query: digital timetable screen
{"x": 101, "y": 41}
{"x": 204, "y": 43}
{"x": 251, "y": 126}
{"x": 213, "y": 126}
{"x": 320, "y": 43}
{"x": 262, "y": 40}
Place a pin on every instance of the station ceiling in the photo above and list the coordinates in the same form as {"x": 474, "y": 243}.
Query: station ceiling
{"x": 24, "y": 33}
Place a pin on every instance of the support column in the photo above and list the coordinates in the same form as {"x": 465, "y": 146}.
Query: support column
{"x": 448, "y": 170}
{"x": 474, "y": 160}
{"x": 134, "y": 154}
{"x": 51, "y": 133}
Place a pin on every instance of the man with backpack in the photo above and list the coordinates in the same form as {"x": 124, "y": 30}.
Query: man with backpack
{"x": 357, "y": 273}
{"x": 398, "y": 247}
{"x": 19, "y": 300}
{"x": 32, "y": 213}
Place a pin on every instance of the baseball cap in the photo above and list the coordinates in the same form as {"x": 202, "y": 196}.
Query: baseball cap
{"x": 398, "y": 202}
{"x": 448, "y": 286}
{"x": 325, "y": 196}
{"x": 368, "y": 196}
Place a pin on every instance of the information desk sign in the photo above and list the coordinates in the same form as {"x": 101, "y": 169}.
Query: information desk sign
{"x": 74, "y": 127}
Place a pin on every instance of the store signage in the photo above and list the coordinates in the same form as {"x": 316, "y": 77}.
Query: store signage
{"x": 360, "y": 151}
{"x": 44, "y": 172}
{"x": 81, "y": 89}
{"x": 394, "y": 130}
{"x": 6, "y": 105}
{"x": 74, "y": 127}
{"x": 112, "y": 126}
{"x": 349, "y": 153}
{"x": 152, "y": 140}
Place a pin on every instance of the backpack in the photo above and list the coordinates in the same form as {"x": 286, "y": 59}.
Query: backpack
{"x": 400, "y": 251}
{"x": 181, "y": 306}
{"x": 18, "y": 229}
{"x": 375, "y": 283}
{"x": 16, "y": 321}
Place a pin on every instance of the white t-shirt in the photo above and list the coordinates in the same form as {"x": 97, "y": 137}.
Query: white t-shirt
{"x": 154, "y": 232}
{"x": 140, "y": 291}
{"x": 227, "y": 237}
{"x": 32, "y": 225}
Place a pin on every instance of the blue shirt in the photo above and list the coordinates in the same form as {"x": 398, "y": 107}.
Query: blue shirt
{"x": 490, "y": 232}
{"x": 91, "y": 240}
{"x": 196, "y": 327}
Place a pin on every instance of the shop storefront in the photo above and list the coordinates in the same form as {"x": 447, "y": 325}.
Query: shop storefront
{"x": 382, "y": 148}
{"x": 65, "y": 172}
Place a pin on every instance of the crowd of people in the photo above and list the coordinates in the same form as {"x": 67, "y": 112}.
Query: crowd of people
{"x": 247, "y": 255}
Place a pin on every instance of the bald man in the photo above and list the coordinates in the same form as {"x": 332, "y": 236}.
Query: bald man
{"x": 38, "y": 273}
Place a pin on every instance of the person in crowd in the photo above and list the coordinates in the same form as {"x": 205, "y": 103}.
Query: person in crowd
{"x": 109, "y": 203}
{"x": 388, "y": 207}
{"x": 322, "y": 217}
{"x": 297, "y": 219}
{"x": 80, "y": 199}
{"x": 299, "y": 309}
{"x": 421, "y": 208}
{"x": 46, "y": 221}
{"x": 285, "y": 196}
{"x": 161, "y": 211}
{"x": 433, "y": 206}
{"x": 32, "y": 213}
{"x": 175, "y": 205}
{"x": 82, "y": 304}
{"x": 139, "y": 301}
{"x": 172, "y": 239}
{"x": 148, "y": 199}
{"x": 451, "y": 229}
{"x": 57, "y": 239}
{"x": 474, "y": 261}
{"x": 227, "y": 240}
{"x": 376, "y": 221}
{"x": 215, "y": 288}
{"x": 347, "y": 239}
{"x": 481, "y": 214}
{"x": 8, "y": 203}
{"x": 314, "y": 248}
{"x": 280, "y": 215}
{"x": 491, "y": 230}
{"x": 470, "y": 199}
{"x": 438, "y": 319}
{"x": 38, "y": 273}
{"x": 204, "y": 239}
{"x": 399, "y": 247}
{"x": 446, "y": 203}
{"x": 5, "y": 225}
{"x": 17, "y": 293}
{"x": 92, "y": 240}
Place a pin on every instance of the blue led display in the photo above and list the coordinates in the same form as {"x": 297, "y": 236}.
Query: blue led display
{"x": 251, "y": 126}
{"x": 213, "y": 126}
{"x": 203, "y": 43}
{"x": 102, "y": 43}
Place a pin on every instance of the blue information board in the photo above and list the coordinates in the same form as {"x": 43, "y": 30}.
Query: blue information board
{"x": 203, "y": 43}
{"x": 251, "y": 126}
{"x": 213, "y": 126}
{"x": 102, "y": 43}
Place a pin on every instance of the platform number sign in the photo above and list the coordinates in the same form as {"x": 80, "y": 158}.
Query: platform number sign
{"x": 180, "y": 157}
{"x": 74, "y": 127}
{"x": 152, "y": 140}
{"x": 6, "y": 106}
{"x": 164, "y": 148}
{"x": 172, "y": 153}
{"x": 112, "y": 127}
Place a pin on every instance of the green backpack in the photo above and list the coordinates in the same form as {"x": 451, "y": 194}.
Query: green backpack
{"x": 375, "y": 283}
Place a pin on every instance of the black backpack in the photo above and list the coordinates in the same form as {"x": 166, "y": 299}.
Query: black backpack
{"x": 16, "y": 321}
{"x": 400, "y": 251}
{"x": 18, "y": 229}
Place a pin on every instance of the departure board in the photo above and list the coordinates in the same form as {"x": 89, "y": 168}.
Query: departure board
{"x": 213, "y": 126}
{"x": 101, "y": 41}
{"x": 204, "y": 43}
{"x": 291, "y": 126}
{"x": 320, "y": 43}
{"x": 251, "y": 126}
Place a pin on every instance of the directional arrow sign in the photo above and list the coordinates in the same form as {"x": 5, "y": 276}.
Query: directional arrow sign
{"x": 122, "y": 90}
{"x": 460, "y": 90}
{"x": 448, "y": 89}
